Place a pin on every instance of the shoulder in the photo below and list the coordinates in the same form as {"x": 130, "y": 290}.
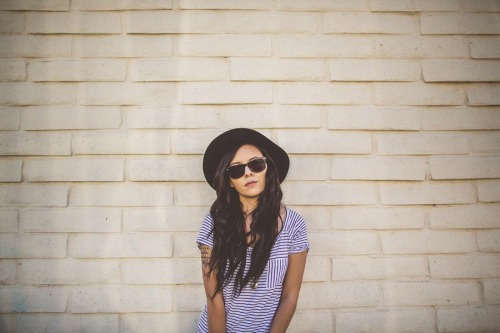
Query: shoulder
{"x": 294, "y": 220}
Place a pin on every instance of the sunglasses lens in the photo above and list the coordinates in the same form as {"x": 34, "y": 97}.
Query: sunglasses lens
{"x": 237, "y": 171}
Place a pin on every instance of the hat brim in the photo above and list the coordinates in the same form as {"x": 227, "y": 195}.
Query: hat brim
{"x": 238, "y": 137}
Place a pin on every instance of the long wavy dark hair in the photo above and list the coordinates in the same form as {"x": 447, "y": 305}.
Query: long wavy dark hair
{"x": 228, "y": 257}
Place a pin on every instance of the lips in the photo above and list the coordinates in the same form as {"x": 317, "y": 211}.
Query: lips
{"x": 250, "y": 183}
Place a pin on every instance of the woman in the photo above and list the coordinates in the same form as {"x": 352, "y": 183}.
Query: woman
{"x": 253, "y": 248}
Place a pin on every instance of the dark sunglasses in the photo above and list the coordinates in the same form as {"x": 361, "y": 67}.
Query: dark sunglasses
{"x": 237, "y": 171}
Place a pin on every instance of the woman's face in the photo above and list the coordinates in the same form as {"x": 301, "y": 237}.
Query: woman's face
{"x": 251, "y": 184}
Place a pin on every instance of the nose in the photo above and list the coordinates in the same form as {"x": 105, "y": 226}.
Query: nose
{"x": 247, "y": 170}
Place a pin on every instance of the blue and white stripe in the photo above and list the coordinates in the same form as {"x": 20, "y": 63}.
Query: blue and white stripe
{"x": 253, "y": 310}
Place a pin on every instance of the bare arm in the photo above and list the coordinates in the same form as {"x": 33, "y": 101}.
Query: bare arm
{"x": 290, "y": 293}
{"x": 215, "y": 306}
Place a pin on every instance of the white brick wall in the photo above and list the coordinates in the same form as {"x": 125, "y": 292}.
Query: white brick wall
{"x": 388, "y": 108}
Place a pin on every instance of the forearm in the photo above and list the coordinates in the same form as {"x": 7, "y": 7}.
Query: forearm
{"x": 284, "y": 315}
{"x": 216, "y": 316}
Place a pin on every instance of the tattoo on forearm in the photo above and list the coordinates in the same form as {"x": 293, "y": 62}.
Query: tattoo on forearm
{"x": 205, "y": 255}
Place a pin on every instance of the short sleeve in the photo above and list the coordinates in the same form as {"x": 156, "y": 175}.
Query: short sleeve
{"x": 298, "y": 234}
{"x": 205, "y": 236}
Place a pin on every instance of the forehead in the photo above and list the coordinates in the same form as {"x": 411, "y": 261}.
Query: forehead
{"x": 246, "y": 152}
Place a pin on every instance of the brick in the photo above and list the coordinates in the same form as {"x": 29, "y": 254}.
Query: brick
{"x": 317, "y": 218}
{"x": 262, "y": 22}
{"x": 312, "y": 321}
{"x": 72, "y": 23}
{"x": 34, "y": 195}
{"x": 372, "y": 23}
{"x": 59, "y": 323}
{"x": 465, "y": 217}
{"x": 129, "y": 245}
{"x": 343, "y": 242}
{"x": 377, "y": 168}
{"x": 70, "y": 117}
{"x": 33, "y": 299}
{"x": 121, "y": 299}
{"x": 414, "y": 6}
{"x": 84, "y": 70}
{"x": 36, "y": 94}
{"x": 123, "y": 46}
{"x": 474, "y": 167}
{"x": 489, "y": 191}
{"x": 162, "y": 271}
{"x": 374, "y": 70}
{"x": 46, "y": 5}
{"x": 7, "y": 272}
{"x": 71, "y": 220}
{"x": 460, "y": 70}
{"x": 491, "y": 291}
{"x": 225, "y": 46}
{"x": 411, "y": 320}
{"x": 64, "y": 271}
{"x": 489, "y": 241}
{"x": 325, "y": 46}
{"x": 323, "y": 5}
{"x": 182, "y": 69}
{"x": 225, "y": 4}
{"x": 484, "y": 47}
{"x": 264, "y": 116}
{"x": 483, "y": 94}
{"x": 121, "y": 195}
{"x": 194, "y": 194}
{"x": 170, "y": 117}
{"x": 377, "y": 218}
{"x": 35, "y": 143}
{"x": 164, "y": 219}
{"x": 243, "y": 69}
{"x": 423, "y": 143}
{"x": 8, "y": 220}
{"x": 459, "y": 24}
{"x": 100, "y": 5}
{"x": 12, "y": 70}
{"x": 127, "y": 142}
{"x": 165, "y": 169}
{"x": 177, "y": 321}
{"x": 308, "y": 168}
{"x": 189, "y": 298}
{"x": 436, "y": 47}
{"x": 32, "y": 246}
{"x": 486, "y": 142}
{"x": 326, "y": 194}
{"x": 74, "y": 170}
{"x": 481, "y": 6}
{"x": 224, "y": 93}
{"x": 12, "y": 22}
{"x": 466, "y": 118}
{"x": 185, "y": 245}
{"x": 11, "y": 171}
{"x": 10, "y": 119}
{"x": 321, "y": 93}
{"x": 369, "y": 118}
{"x": 317, "y": 269}
{"x": 174, "y": 22}
{"x": 374, "y": 267}
{"x": 428, "y": 293}
{"x": 34, "y": 46}
{"x": 418, "y": 94}
{"x": 464, "y": 267}
{"x": 126, "y": 94}
{"x": 7, "y": 322}
{"x": 340, "y": 295}
{"x": 468, "y": 319}
{"x": 422, "y": 242}
{"x": 194, "y": 142}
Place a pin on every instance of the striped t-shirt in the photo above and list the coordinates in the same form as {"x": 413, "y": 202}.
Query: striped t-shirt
{"x": 253, "y": 310}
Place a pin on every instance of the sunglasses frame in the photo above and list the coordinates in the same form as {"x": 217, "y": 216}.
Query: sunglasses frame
{"x": 245, "y": 166}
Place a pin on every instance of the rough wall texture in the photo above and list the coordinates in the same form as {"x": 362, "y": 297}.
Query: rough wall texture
{"x": 389, "y": 109}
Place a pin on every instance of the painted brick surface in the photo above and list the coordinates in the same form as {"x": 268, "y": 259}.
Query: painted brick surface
{"x": 387, "y": 108}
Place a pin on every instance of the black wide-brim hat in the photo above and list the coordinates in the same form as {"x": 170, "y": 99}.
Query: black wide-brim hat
{"x": 236, "y": 138}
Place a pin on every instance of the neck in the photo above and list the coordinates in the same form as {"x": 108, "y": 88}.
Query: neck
{"x": 248, "y": 205}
